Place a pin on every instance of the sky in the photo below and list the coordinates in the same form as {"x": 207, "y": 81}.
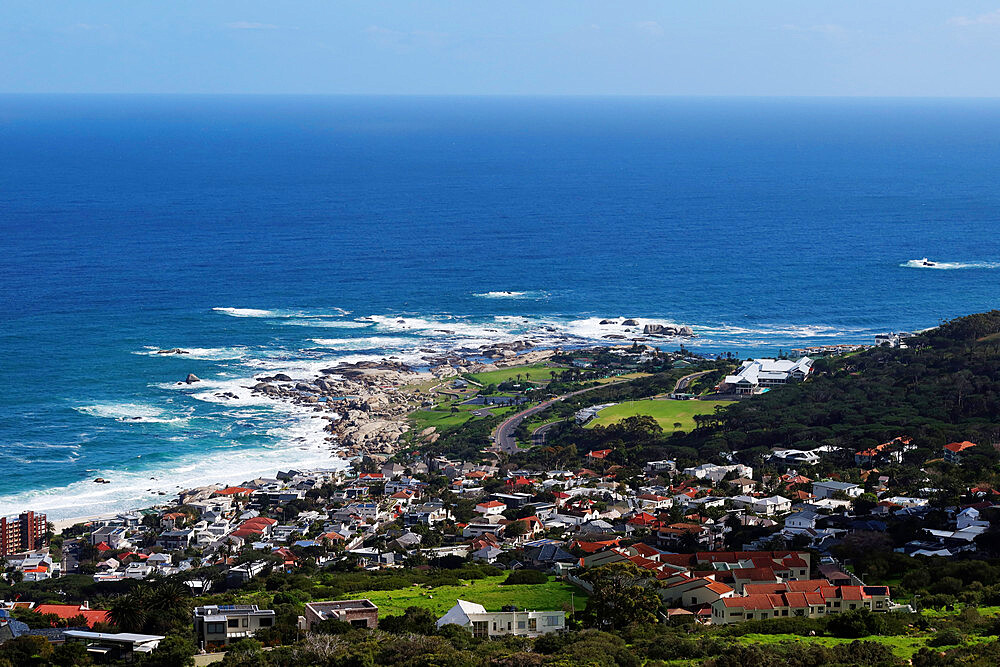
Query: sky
{"x": 940, "y": 48}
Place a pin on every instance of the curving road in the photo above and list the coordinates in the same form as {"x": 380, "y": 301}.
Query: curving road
{"x": 503, "y": 437}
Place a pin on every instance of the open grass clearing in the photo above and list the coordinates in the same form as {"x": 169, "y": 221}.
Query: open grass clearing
{"x": 487, "y": 592}
{"x": 665, "y": 412}
{"x": 532, "y": 373}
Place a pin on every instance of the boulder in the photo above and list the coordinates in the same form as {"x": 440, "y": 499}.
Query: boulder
{"x": 281, "y": 377}
{"x": 630, "y": 323}
{"x": 609, "y": 321}
{"x": 192, "y": 378}
{"x": 173, "y": 350}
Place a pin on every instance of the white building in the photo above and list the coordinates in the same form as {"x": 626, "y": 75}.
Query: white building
{"x": 758, "y": 374}
{"x": 828, "y": 488}
{"x": 796, "y": 457}
{"x": 717, "y": 473}
{"x": 482, "y": 623}
{"x": 768, "y": 506}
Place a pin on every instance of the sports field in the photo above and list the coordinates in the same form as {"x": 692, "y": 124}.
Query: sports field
{"x": 665, "y": 412}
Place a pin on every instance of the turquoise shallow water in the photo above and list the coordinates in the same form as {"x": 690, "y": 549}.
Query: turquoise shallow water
{"x": 268, "y": 234}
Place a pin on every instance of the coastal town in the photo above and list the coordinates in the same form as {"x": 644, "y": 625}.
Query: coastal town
{"x": 438, "y": 521}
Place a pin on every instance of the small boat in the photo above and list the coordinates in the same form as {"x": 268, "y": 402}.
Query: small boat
{"x": 927, "y": 262}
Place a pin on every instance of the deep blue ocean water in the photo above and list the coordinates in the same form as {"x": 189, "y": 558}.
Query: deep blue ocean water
{"x": 258, "y": 231}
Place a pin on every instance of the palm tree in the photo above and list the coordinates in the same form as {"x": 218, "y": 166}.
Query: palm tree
{"x": 131, "y": 610}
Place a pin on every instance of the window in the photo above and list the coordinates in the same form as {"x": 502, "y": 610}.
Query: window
{"x": 480, "y": 629}
{"x": 508, "y": 626}
{"x": 532, "y": 623}
{"x": 234, "y": 622}
{"x": 551, "y": 621}
{"x": 360, "y": 623}
{"x": 494, "y": 626}
{"x": 246, "y": 622}
{"x": 521, "y": 625}
{"x": 218, "y": 628}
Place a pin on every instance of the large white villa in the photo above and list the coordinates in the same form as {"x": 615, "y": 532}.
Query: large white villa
{"x": 755, "y": 375}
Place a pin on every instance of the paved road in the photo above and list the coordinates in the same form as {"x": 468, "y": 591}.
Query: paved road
{"x": 683, "y": 383}
{"x": 538, "y": 435}
{"x": 503, "y": 437}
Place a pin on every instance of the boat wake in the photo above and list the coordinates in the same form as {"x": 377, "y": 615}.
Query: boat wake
{"x": 928, "y": 264}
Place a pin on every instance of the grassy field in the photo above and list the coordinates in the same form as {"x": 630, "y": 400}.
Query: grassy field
{"x": 665, "y": 412}
{"x": 537, "y": 372}
{"x": 445, "y": 418}
{"x": 487, "y": 592}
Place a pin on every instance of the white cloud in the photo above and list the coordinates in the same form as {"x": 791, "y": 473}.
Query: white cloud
{"x": 990, "y": 18}
{"x": 650, "y": 28}
{"x": 249, "y": 25}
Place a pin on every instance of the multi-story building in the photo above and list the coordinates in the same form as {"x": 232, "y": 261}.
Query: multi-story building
{"x": 218, "y": 625}
{"x": 24, "y": 533}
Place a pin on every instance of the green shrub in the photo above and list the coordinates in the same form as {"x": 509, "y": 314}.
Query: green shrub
{"x": 526, "y": 577}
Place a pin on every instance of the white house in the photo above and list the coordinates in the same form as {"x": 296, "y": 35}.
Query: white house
{"x": 969, "y": 517}
{"x": 491, "y": 507}
{"x": 796, "y": 457}
{"x": 482, "y": 623}
{"x": 804, "y": 520}
{"x": 768, "y": 506}
{"x": 828, "y": 488}
{"x": 756, "y": 375}
{"x": 716, "y": 473}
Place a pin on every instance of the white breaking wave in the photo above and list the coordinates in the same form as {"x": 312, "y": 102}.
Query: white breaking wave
{"x": 259, "y": 312}
{"x": 245, "y": 312}
{"x": 130, "y": 412}
{"x": 919, "y": 264}
{"x": 204, "y": 353}
{"x": 327, "y": 324}
{"x": 368, "y": 343}
{"x": 507, "y": 294}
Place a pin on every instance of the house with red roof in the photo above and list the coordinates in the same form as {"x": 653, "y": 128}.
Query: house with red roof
{"x": 235, "y": 491}
{"x": 71, "y": 611}
{"x": 954, "y": 451}
{"x": 491, "y": 507}
{"x": 599, "y": 454}
{"x": 887, "y": 452}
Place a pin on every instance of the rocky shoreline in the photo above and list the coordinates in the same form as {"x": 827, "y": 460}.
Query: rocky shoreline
{"x": 366, "y": 404}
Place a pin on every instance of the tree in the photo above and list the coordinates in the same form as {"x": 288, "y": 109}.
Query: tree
{"x": 27, "y": 650}
{"x": 624, "y": 594}
{"x": 173, "y": 651}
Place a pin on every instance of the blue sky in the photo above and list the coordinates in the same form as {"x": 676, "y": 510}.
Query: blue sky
{"x": 564, "y": 47}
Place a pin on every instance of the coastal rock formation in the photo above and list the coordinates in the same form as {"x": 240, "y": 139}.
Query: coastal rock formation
{"x": 609, "y": 322}
{"x": 173, "y": 350}
{"x": 666, "y": 330}
{"x": 630, "y": 323}
{"x": 192, "y": 378}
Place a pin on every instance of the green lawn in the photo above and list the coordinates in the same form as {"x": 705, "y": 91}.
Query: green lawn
{"x": 487, "y": 592}
{"x": 665, "y": 412}
{"x": 537, "y": 372}
{"x": 445, "y": 418}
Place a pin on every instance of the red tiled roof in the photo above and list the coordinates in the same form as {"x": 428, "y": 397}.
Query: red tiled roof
{"x": 234, "y": 491}
{"x": 599, "y": 453}
{"x": 68, "y": 611}
{"x": 957, "y": 447}
{"x": 491, "y": 504}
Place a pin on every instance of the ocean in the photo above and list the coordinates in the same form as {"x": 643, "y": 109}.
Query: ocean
{"x": 267, "y": 234}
